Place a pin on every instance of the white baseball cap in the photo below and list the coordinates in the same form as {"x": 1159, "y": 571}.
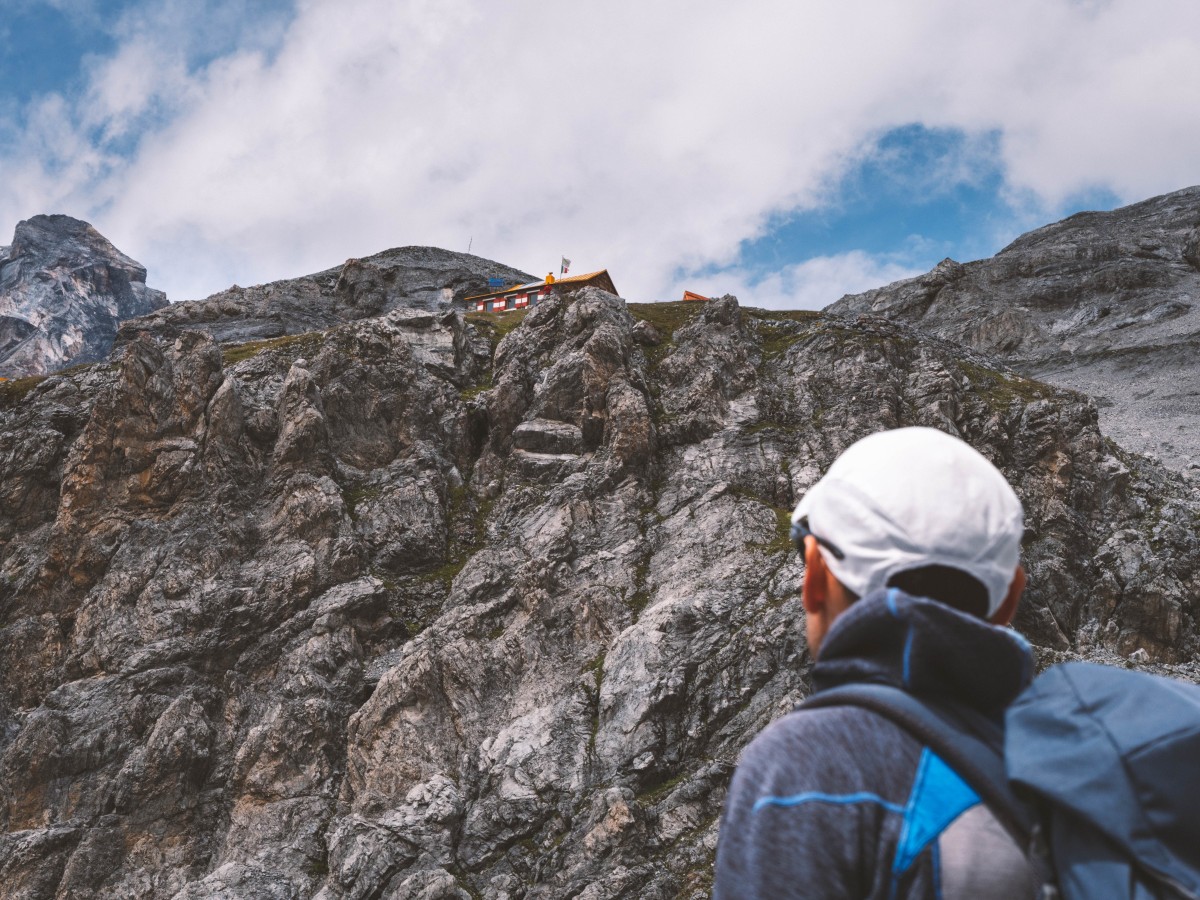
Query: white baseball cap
{"x": 914, "y": 497}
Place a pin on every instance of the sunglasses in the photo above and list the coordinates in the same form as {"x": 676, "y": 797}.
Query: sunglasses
{"x": 800, "y": 531}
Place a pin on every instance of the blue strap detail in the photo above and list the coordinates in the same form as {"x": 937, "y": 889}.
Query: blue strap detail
{"x": 938, "y": 797}
{"x": 892, "y": 594}
{"x": 908, "y": 645}
{"x": 816, "y": 797}
{"x": 936, "y": 853}
{"x": 968, "y": 742}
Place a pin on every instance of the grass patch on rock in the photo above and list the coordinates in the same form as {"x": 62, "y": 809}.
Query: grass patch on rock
{"x": 445, "y": 573}
{"x": 1002, "y": 389}
{"x": 782, "y": 542}
{"x": 84, "y": 368}
{"x": 780, "y": 329}
{"x": 653, "y": 795}
{"x": 301, "y": 343}
{"x": 353, "y": 496}
{"x": 497, "y": 325}
{"x": 596, "y": 667}
{"x": 14, "y": 391}
{"x": 803, "y": 316}
{"x": 666, "y": 318}
{"x": 466, "y": 521}
{"x": 474, "y": 391}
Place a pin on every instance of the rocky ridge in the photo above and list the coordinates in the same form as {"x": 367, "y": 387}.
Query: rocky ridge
{"x": 1107, "y": 303}
{"x": 426, "y": 278}
{"x": 434, "y": 606}
{"x": 64, "y": 289}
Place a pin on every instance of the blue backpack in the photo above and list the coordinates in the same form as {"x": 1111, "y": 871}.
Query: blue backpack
{"x": 1096, "y": 773}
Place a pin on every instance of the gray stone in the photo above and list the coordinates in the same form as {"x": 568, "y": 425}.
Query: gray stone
{"x": 1102, "y": 302}
{"x": 386, "y": 611}
{"x": 64, "y": 290}
{"x": 545, "y": 436}
{"x": 401, "y": 279}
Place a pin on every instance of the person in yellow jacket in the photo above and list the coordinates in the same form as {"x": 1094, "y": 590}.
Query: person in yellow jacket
{"x": 549, "y": 278}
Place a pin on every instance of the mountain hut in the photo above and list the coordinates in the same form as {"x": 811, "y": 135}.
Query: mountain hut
{"x": 523, "y": 296}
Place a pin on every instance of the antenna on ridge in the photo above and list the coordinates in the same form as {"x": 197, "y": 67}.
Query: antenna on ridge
{"x": 470, "y": 242}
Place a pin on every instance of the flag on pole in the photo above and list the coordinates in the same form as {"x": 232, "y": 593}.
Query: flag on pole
{"x": 566, "y": 266}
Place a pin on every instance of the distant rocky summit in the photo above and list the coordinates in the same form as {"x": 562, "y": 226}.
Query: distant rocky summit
{"x": 405, "y": 277}
{"x": 64, "y": 289}
{"x": 1107, "y": 303}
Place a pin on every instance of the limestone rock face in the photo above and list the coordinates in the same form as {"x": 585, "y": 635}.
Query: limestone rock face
{"x": 421, "y": 278}
{"x": 64, "y": 290}
{"x": 1107, "y": 303}
{"x": 427, "y": 606}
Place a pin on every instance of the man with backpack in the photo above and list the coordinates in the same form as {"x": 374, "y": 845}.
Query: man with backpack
{"x": 894, "y": 780}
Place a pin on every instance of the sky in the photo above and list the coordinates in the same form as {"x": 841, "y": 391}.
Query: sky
{"x": 786, "y": 151}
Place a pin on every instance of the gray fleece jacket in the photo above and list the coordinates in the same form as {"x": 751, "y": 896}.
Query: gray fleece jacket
{"x": 840, "y": 802}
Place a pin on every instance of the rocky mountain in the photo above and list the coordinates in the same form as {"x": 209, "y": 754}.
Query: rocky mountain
{"x": 428, "y": 605}
{"x": 64, "y": 289}
{"x": 405, "y": 277}
{"x": 1107, "y": 303}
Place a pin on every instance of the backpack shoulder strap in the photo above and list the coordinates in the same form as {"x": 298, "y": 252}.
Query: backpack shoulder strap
{"x": 970, "y": 744}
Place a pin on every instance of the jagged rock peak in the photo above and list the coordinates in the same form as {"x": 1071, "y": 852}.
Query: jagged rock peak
{"x": 58, "y": 240}
{"x": 1101, "y": 302}
{"x": 1173, "y": 216}
{"x": 400, "y": 278}
{"x": 64, "y": 288}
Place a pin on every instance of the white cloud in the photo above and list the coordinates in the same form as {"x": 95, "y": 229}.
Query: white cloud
{"x": 812, "y": 284}
{"x": 649, "y": 138}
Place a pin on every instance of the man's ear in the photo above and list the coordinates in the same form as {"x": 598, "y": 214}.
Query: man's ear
{"x": 814, "y": 592}
{"x": 1008, "y": 609}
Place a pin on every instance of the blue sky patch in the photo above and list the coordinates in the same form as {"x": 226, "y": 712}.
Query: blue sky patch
{"x": 917, "y": 195}
{"x": 41, "y": 47}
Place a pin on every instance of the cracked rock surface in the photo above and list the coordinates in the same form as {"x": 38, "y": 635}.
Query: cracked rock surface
{"x": 1107, "y": 303}
{"x": 432, "y": 606}
{"x": 64, "y": 290}
{"x": 421, "y": 278}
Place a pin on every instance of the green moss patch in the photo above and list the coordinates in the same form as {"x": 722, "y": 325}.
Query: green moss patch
{"x": 300, "y": 343}
{"x": 497, "y": 325}
{"x": 656, "y": 793}
{"x": 1001, "y": 389}
{"x": 803, "y": 316}
{"x": 14, "y": 391}
{"x": 782, "y": 542}
{"x": 353, "y": 496}
{"x": 464, "y": 543}
{"x": 84, "y": 368}
{"x": 666, "y": 318}
{"x": 446, "y": 573}
{"x": 484, "y": 386}
{"x": 596, "y": 667}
